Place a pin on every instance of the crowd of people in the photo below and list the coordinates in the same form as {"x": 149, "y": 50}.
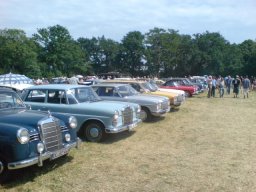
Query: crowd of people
{"x": 237, "y": 84}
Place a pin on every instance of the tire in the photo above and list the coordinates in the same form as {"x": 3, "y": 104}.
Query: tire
{"x": 145, "y": 114}
{"x": 94, "y": 132}
{"x": 4, "y": 172}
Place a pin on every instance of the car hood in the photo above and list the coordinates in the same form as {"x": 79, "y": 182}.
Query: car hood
{"x": 103, "y": 105}
{"x": 172, "y": 91}
{"x": 20, "y": 117}
{"x": 144, "y": 98}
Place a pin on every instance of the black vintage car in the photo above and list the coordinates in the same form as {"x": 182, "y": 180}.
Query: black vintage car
{"x": 29, "y": 137}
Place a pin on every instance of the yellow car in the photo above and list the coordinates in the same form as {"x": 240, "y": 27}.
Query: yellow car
{"x": 143, "y": 87}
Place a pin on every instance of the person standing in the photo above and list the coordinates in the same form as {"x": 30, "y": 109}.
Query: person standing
{"x": 246, "y": 86}
{"x": 209, "y": 83}
{"x": 221, "y": 87}
{"x": 236, "y": 84}
{"x": 228, "y": 84}
{"x": 214, "y": 83}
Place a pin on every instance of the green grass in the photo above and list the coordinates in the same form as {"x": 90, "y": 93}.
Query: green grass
{"x": 206, "y": 145}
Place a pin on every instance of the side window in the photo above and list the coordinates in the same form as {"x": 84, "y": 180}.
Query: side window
{"x": 37, "y": 96}
{"x": 135, "y": 86}
{"x": 56, "y": 96}
{"x": 105, "y": 91}
{"x": 169, "y": 83}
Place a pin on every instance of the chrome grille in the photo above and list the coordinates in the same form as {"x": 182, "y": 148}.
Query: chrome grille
{"x": 51, "y": 134}
{"x": 34, "y": 137}
{"x": 127, "y": 114}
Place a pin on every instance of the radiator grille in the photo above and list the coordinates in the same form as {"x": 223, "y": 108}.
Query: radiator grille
{"x": 51, "y": 134}
{"x": 127, "y": 114}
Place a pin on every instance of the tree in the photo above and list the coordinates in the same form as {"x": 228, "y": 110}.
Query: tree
{"x": 132, "y": 53}
{"x": 59, "y": 52}
{"x": 248, "y": 50}
{"x": 17, "y": 53}
{"x": 211, "y": 48}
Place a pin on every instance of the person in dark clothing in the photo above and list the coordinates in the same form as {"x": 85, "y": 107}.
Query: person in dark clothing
{"x": 236, "y": 84}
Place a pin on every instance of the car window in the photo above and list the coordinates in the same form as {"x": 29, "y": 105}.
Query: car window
{"x": 84, "y": 94}
{"x": 56, "y": 96}
{"x": 105, "y": 91}
{"x": 10, "y": 100}
{"x": 36, "y": 96}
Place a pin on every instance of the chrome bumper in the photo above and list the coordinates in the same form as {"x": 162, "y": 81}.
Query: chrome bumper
{"x": 123, "y": 128}
{"x": 40, "y": 158}
{"x": 161, "y": 112}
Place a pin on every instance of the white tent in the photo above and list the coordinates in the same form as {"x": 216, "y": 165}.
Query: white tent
{"x": 16, "y": 81}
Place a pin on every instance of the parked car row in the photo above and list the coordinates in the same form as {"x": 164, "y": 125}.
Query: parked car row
{"x": 47, "y": 121}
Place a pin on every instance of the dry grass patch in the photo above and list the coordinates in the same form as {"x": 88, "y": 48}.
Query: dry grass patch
{"x": 207, "y": 145}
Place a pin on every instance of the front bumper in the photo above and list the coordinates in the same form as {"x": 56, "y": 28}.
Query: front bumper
{"x": 40, "y": 158}
{"x": 161, "y": 112}
{"x": 123, "y": 128}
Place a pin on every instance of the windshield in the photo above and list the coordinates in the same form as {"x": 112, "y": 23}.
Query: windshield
{"x": 83, "y": 94}
{"x": 125, "y": 91}
{"x": 148, "y": 86}
{"x": 10, "y": 100}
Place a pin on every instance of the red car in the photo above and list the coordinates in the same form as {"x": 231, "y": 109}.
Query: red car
{"x": 189, "y": 90}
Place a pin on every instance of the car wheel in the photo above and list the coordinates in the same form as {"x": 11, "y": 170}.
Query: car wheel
{"x": 145, "y": 114}
{"x": 94, "y": 132}
{"x": 4, "y": 172}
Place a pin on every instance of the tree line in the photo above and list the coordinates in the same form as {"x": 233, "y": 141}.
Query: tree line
{"x": 53, "y": 52}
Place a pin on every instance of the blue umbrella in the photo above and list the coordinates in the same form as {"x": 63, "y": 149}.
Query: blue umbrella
{"x": 10, "y": 79}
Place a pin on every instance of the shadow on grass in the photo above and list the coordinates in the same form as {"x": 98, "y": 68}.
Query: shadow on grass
{"x": 174, "y": 110}
{"x": 112, "y": 138}
{"x": 21, "y": 176}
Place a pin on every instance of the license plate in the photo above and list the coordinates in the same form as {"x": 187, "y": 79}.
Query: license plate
{"x": 59, "y": 153}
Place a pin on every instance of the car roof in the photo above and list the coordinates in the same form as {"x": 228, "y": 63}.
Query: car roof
{"x": 57, "y": 86}
{"x": 124, "y": 81}
{"x": 110, "y": 85}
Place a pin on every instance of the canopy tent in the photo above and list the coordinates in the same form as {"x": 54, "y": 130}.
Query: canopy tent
{"x": 16, "y": 81}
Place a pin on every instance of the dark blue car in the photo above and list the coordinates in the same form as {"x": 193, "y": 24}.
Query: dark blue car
{"x": 29, "y": 137}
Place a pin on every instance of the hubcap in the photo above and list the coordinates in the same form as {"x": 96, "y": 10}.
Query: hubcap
{"x": 94, "y": 132}
{"x": 1, "y": 167}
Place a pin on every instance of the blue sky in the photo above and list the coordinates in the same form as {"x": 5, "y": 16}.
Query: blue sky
{"x": 234, "y": 19}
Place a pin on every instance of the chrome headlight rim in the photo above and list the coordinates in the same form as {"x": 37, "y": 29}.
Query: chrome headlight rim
{"x": 23, "y": 136}
{"x": 116, "y": 115}
{"x": 72, "y": 122}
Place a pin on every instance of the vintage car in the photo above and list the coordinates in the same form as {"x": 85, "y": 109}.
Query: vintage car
{"x": 150, "y": 106}
{"x": 187, "y": 82}
{"x": 189, "y": 90}
{"x": 141, "y": 86}
{"x": 95, "y": 117}
{"x": 29, "y": 137}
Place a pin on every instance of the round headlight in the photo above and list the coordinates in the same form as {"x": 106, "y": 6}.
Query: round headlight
{"x": 40, "y": 147}
{"x": 72, "y": 122}
{"x": 67, "y": 137}
{"x": 23, "y": 136}
{"x": 116, "y": 115}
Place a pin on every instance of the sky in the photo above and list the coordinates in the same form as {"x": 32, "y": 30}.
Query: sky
{"x": 233, "y": 19}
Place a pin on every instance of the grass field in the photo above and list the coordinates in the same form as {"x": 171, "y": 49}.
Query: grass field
{"x": 206, "y": 145}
